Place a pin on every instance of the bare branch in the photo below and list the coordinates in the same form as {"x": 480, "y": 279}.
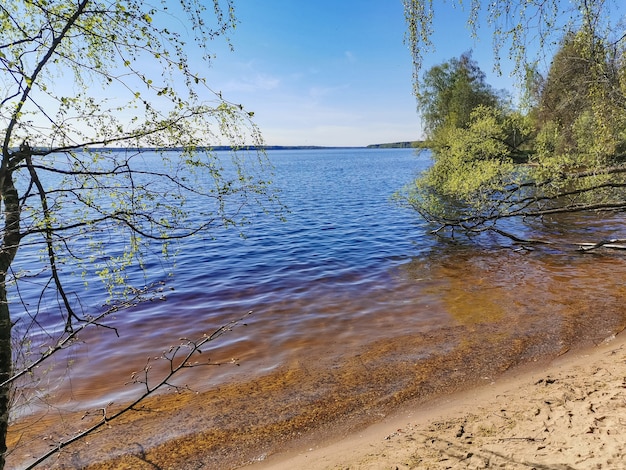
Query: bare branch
{"x": 139, "y": 295}
{"x": 193, "y": 348}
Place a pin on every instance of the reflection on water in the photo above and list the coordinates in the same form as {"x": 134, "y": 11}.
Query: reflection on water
{"x": 347, "y": 323}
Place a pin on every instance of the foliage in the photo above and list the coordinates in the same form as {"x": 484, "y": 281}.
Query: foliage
{"x": 451, "y": 91}
{"x": 475, "y": 139}
{"x": 562, "y": 152}
{"x": 83, "y": 83}
{"x": 470, "y": 164}
{"x": 578, "y": 104}
{"x": 517, "y": 28}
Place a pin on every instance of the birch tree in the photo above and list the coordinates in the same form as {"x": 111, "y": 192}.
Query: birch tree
{"x": 80, "y": 80}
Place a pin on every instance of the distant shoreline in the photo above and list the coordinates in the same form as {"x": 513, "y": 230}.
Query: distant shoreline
{"x": 415, "y": 144}
{"x": 407, "y": 144}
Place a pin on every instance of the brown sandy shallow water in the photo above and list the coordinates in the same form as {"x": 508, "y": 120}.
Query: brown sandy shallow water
{"x": 498, "y": 312}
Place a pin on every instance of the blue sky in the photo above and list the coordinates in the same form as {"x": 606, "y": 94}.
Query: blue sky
{"x": 337, "y": 72}
{"x": 329, "y": 72}
{"x": 321, "y": 73}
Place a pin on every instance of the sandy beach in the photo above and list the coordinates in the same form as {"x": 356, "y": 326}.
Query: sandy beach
{"x": 569, "y": 413}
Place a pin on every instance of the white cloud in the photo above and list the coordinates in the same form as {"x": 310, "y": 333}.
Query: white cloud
{"x": 252, "y": 83}
{"x": 322, "y": 91}
{"x": 299, "y": 107}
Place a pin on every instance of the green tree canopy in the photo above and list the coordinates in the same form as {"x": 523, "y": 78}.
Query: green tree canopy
{"x": 451, "y": 91}
{"x": 580, "y": 83}
{"x": 564, "y": 152}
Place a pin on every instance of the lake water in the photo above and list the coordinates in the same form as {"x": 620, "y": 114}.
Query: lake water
{"x": 333, "y": 262}
{"x": 356, "y": 308}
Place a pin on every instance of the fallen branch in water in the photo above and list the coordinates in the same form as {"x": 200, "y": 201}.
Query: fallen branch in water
{"x": 615, "y": 244}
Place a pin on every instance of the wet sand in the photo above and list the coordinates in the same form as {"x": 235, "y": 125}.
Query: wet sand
{"x": 568, "y": 414}
{"x": 530, "y": 413}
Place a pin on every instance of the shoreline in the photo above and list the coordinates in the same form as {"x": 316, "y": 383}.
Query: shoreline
{"x": 236, "y": 426}
{"x": 566, "y": 413}
{"x": 225, "y": 428}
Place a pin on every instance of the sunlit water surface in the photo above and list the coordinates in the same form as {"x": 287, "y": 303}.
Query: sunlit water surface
{"x": 355, "y": 307}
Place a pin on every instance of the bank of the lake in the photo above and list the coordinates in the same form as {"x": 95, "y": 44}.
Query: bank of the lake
{"x": 568, "y": 413}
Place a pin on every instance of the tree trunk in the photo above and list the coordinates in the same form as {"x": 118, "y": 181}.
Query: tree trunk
{"x": 8, "y": 249}
{"x": 5, "y": 369}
